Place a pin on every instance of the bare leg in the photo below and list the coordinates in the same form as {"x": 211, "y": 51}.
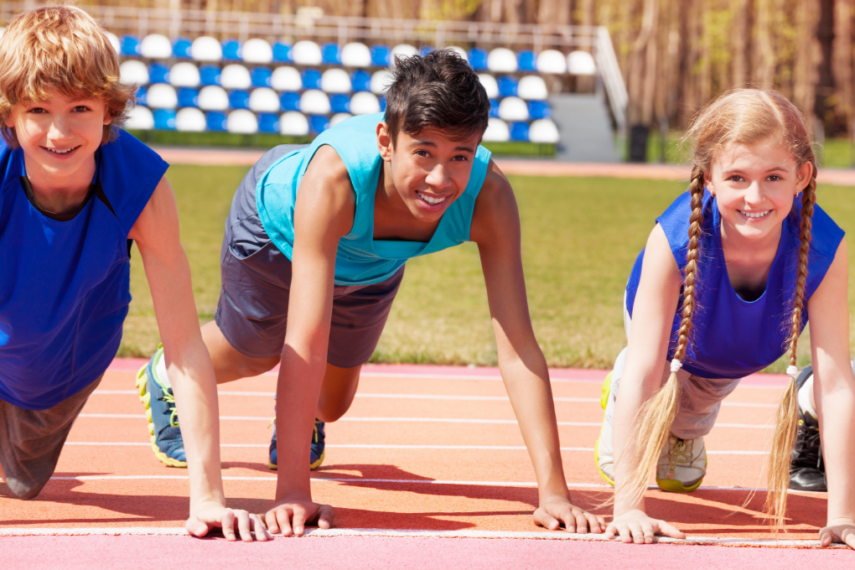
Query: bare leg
{"x": 229, "y": 364}
{"x": 337, "y": 392}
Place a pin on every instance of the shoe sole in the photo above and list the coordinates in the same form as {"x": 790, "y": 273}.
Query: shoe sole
{"x": 604, "y": 400}
{"x": 312, "y": 466}
{"x": 145, "y": 398}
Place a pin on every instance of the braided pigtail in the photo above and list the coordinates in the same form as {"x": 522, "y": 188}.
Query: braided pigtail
{"x": 788, "y": 413}
{"x": 653, "y": 423}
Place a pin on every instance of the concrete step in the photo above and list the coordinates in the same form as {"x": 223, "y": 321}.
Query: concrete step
{"x": 585, "y": 128}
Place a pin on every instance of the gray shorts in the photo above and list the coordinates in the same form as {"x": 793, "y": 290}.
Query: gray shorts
{"x": 256, "y": 279}
{"x": 31, "y": 441}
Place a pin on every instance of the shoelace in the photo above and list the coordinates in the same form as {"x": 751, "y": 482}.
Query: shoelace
{"x": 810, "y": 441}
{"x": 169, "y": 398}
{"x": 681, "y": 450}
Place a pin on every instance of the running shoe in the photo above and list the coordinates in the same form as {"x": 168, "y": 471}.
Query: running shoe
{"x": 156, "y": 395}
{"x": 807, "y": 469}
{"x": 317, "y": 453}
{"x": 603, "y": 450}
{"x": 682, "y": 465}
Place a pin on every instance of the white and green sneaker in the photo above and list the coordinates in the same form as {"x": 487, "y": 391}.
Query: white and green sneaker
{"x": 682, "y": 465}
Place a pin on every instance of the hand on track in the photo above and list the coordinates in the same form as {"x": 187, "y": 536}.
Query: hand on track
{"x": 233, "y": 521}
{"x": 291, "y": 516}
{"x": 635, "y": 526}
{"x": 554, "y": 512}
{"x": 838, "y": 530}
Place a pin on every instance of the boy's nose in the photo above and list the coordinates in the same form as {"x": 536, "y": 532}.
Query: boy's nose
{"x": 438, "y": 177}
{"x": 59, "y": 129}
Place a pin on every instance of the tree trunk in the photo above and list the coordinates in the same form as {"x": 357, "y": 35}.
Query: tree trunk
{"x": 842, "y": 64}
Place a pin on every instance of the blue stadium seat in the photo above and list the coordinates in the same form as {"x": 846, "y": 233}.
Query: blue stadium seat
{"x": 141, "y": 95}
{"x": 158, "y": 73}
{"x": 318, "y": 123}
{"x": 216, "y": 121}
{"x": 209, "y": 75}
{"x": 508, "y": 86}
{"x": 424, "y": 50}
{"x": 181, "y": 48}
{"x": 130, "y": 46}
{"x": 282, "y": 53}
{"x": 331, "y": 54}
{"x": 382, "y": 99}
{"x": 290, "y": 101}
{"x": 261, "y": 76}
{"x": 340, "y": 103}
{"x": 527, "y": 61}
{"x": 239, "y": 99}
{"x": 311, "y": 79}
{"x": 188, "y": 97}
{"x": 519, "y": 132}
{"x": 231, "y": 50}
{"x": 268, "y": 123}
{"x": 494, "y": 108}
{"x": 478, "y": 59}
{"x": 360, "y": 80}
{"x": 164, "y": 119}
{"x": 380, "y": 55}
{"x": 539, "y": 110}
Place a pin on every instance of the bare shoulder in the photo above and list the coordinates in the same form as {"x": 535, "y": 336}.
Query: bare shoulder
{"x": 325, "y": 200}
{"x": 328, "y": 170}
{"x": 495, "y": 207}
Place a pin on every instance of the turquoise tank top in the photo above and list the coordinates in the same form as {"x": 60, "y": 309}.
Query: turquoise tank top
{"x": 361, "y": 260}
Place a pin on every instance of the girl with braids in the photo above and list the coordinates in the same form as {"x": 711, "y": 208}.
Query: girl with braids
{"x": 723, "y": 289}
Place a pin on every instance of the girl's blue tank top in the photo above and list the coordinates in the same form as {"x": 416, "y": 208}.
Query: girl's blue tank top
{"x": 731, "y": 337}
{"x": 360, "y": 260}
{"x": 65, "y": 285}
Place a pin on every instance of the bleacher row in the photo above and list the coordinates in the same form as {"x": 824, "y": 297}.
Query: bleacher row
{"x": 304, "y": 88}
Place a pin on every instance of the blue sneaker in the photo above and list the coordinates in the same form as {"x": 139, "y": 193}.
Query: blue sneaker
{"x": 317, "y": 454}
{"x": 156, "y": 395}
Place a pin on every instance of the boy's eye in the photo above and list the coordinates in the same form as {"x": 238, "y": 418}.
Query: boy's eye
{"x": 37, "y": 110}
{"x": 421, "y": 152}
{"x": 81, "y": 109}
{"x": 461, "y": 158}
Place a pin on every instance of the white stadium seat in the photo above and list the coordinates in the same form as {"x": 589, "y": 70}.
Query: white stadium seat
{"x": 364, "y": 103}
{"x": 133, "y": 72}
{"x": 140, "y": 118}
{"x": 242, "y": 122}
{"x": 513, "y": 109}
{"x": 162, "y": 96}
{"x": 551, "y": 61}
{"x": 490, "y": 85}
{"x": 497, "y": 131}
{"x": 502, "y": 60}
{"x": 306, "y": 53}
{"x": 339, "y": 117}
{"x": 235, "y": 76}
{"x": 315, "y": 102}
{"x": 335, "y": 80}
{"x": 156, "y": 46}
{"x": 190, "y": 120}
{"x": 286, "y": 78}
{"x": 532, "y": 87}
{"x": 114, "y": 40}
{"x": 380, "y": 81}
{"x": 459, "y": 51}
{"x": 402, "y": 50}
{"x": 581, "y": 63}
{"x": 206, "y": 48}
{"x": 543, "y": 131}
{"x": 264, "y": 100}
{"x": 293, "y": 123}
{"x": 213, "y": 98}
{"x": 356, "y": 54}
{"x": 257, "y": 51}
{"x": 184, "y": 74}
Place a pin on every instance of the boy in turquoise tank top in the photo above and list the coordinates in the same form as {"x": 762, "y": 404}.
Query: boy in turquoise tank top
{"x": 317, "y": 240}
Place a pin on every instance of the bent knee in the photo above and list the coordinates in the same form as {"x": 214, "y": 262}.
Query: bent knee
{"x": 332, "y": 413}
{"x": 255, "y": 366}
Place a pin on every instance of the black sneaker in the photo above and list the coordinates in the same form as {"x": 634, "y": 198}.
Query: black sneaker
{"x": 807, "y": 470}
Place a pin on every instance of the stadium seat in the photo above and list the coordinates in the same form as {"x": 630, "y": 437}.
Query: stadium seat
{"x": 141, "y": 96}
{"x": 184, "y": 74}
{"x": 402, "y": 50}
{"x": 581, "y": 63}
{"x": 494, "y": 108}
{"x": 164, "y": 119}
{"x": 543, "y": 131}
{"x": 364, "y": 103}
{"x": 527, "y": 61}
{"x": 181, "y": 48}
{"x": 490, "y": 85}
{"x": 264, "y": 100}
{"x": 311, "y": 79}
{"x": 497, "y": 131}
{"x": 424, "y": 50}
{"x": 261, "y": 77}
{"x": 216, "y": 121}
{"x": 133, "y": 72}
{"x": 508, "y": 86}
{"x": 286, "y": 78}
{"x": 161, "y": 96}
{"x": 293, "y": 123}
{"x": 380, "y": 81}
{"x": 140, "y": 118}
{"x": 242, "y": 122}
{"x": 213, "y": 98}
{"x": 513, "y": 109}
{"x": 459, "y": 51}
{"x": 356, "y": 54}
{"x": 158, "y": 72}
{"x": 209, "y": 75}
{"x": 156, "y": 46}
{"x": 268, "y": 123}
{"x": 188, "y": 97}
{"x": 232, "y": 50}
{"x": 539, "y": 110}
{"x": 239, "y": 99}
{"x": 282, "y": 53}
{"x": 114, "y": 40}
{"x": 235, "y": 76}
{"x": 478, "y": 59}
{"x": 257, "y": 50}
{"x": 380, "y": 55}
{"x": 502, "y": 60}
{"x": 519, "y": 132}
{"x": 331, "y": 54}
{"x": 382, "y": 100}
{"x": 206, "y": 48}
{"x": 335, "y": 80}
{"x": 360, "y": 80}
{"x": 315, "y": 102}
{"x": 339, "y": 117}
{"x": 340, "y": 103}
{"x": 318, "y": 124}
{"x": 306, "y": 53}
{"x": 532, "y": 87}
{"x": 130, "y": 46}
{"x": 551, "y": 61}
{"x": 289, "y": 101}
{"x": 190, "y": 120}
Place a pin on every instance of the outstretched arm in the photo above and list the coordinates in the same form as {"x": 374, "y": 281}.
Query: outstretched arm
{"x": 189, "y": 367}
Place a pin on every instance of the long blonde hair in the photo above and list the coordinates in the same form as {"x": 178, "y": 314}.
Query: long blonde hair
{"x": 743, "y": 116}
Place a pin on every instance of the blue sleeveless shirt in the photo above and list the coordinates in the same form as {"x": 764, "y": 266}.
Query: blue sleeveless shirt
{"x": 732, "y": 338}
{"x": 360, "y": 260}
{"x": 65, "y": 285}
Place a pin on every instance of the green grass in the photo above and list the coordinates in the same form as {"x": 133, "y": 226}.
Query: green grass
{"x": 580, "y": 238}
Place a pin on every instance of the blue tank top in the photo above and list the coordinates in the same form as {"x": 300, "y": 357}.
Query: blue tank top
{"x": 64, "y": 285}
{"x": 731, "y": 337}
{"x": 360, "y": 260}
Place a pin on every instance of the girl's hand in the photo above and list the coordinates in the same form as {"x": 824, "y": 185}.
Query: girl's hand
{"x": 838, "y": 530}
{"x": 232, "y": 522}
{"x": 636, "y": 526}
{"x": 291, "y": 515}
{"x": 553, "y": 512}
